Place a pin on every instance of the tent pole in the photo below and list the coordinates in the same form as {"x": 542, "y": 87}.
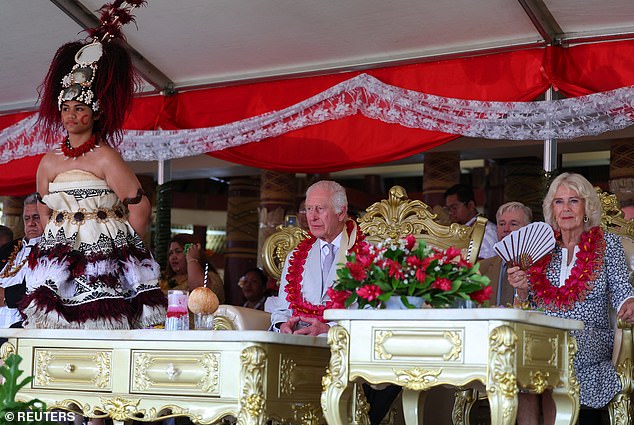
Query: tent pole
{"x": 550, "y": 145}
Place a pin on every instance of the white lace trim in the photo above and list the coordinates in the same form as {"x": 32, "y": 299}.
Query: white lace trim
{"x": 561, "y": 119}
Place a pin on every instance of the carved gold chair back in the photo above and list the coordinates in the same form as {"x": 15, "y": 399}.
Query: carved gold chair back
{"x": 612, "y": 220}
{"x": 612, "y": 216}
{"x": 398, "y": 216}
{"x": 277, "y": 246}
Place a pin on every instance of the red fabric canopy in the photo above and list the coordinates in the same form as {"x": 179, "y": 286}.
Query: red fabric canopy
{"x": 359, "y": 141}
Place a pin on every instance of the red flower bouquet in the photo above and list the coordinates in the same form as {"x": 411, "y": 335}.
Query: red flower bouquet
{"x": 407, "y": 267}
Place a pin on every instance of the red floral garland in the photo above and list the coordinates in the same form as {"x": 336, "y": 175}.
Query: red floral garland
{"x": 71, "y": 152}
{"x": 588, "y": 263}
{"x": 294, "y": 277}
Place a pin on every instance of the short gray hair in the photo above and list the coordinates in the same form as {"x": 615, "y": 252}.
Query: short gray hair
{"x": 584, "y": 189}
{"x": 31, "y": 199}
{"x": 515, "y": 206}
{"x": 338, "y": 198}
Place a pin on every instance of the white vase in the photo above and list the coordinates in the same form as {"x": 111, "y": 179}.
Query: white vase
{"x": 395, "y": 302}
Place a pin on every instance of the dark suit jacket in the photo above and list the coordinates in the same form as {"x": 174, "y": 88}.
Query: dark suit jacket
{"x": 491, "y": 267}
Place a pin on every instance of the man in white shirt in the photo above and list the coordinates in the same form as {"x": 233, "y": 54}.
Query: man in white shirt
{"x": 311, "y": 268}
{"x": 460, "y": 203}
{"x": 14, "y": 273}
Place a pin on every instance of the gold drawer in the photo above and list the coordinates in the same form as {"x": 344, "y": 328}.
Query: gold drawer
{"x": 169, "y": 372}
{"x": 72, "y": 369}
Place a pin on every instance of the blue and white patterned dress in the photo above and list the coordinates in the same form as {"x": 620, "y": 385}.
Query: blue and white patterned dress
{"x": 593, "y": 363}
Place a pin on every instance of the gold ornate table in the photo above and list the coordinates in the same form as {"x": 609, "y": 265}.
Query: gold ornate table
{"x": 504, "y": 349}
{"x": 152, "y": 374}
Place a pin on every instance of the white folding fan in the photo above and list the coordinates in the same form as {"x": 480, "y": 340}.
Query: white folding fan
{"x": 524, "y": 246}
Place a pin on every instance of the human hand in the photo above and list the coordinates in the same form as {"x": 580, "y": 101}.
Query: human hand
{"x": 193, "y": 253}
{"x": 316, "y": 327}
{"x": 627, "y": 311}
{"x": 289, "y": 326}
{"x": 517, "y": 278}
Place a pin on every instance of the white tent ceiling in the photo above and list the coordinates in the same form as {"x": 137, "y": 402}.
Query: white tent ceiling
{"x": 203, "y": 43}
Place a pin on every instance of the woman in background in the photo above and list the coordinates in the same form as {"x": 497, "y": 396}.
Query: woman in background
{"x": 187, "y": 265}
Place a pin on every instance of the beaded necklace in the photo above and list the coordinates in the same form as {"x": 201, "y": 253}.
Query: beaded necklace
{"x": 71, "y": 152}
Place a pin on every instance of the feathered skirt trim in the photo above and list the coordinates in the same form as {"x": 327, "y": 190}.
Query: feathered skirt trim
{"x": 92, "y": 288}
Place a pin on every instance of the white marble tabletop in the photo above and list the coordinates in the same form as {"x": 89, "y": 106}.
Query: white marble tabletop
{"x": 163, "y": 335}
{"x": 452, "y": 314}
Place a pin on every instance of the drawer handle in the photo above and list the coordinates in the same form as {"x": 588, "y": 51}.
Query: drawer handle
{"x": 69, "y": 368}
{"x": 171, "y": 371}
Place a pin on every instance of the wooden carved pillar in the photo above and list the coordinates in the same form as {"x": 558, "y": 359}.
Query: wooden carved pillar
{"x": 12, "y": 214}
{"x": 441, "y": 171}
{"x": 162, "y": 222}
{"x": 242, "y": 233}
{"x": 622, "y": 169}
{"x": 525, "y": 182}
{"x": 277, "y": 197}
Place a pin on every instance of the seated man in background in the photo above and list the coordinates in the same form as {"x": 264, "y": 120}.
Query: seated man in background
{"x": 510, "y": 216}
{"x": 253, "y": 285}
{"x": 460, "y": 202}
{"x": 15, "y": 272}
{"x": 310, "y": 269}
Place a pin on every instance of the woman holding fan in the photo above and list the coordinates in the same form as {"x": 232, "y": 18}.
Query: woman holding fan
{"x": 578, "y": 279}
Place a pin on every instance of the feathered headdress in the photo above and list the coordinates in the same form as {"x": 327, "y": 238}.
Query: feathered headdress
{"x": 97, "y": 71}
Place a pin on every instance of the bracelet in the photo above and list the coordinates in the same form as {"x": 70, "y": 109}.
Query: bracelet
{"x": 193, "y": 259}
{"x": 522, "y": 304}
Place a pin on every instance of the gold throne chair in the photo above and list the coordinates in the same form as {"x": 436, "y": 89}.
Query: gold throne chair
{"x": 398, "y": 216}
{"x": 620, "y": 408}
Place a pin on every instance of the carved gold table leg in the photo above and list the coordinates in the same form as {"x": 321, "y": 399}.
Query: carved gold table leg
{"x": 335, "y": 381}
{"x": 502, "y": 382}
{"x": 620, "y": 407}
{"x": 252, "y": 401}
{"x": 412, "y": 401}
{"x": 566, "y": 397}
{"x": 465, "y": 399}
{"x": 359, "y": 406}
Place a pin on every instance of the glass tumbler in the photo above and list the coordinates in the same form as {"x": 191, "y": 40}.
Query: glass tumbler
{"x": 177, "y": 315}
{"x": 203, "y": 321}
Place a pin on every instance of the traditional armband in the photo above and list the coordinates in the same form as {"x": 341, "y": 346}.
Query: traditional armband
{"x": 131, "y": 201}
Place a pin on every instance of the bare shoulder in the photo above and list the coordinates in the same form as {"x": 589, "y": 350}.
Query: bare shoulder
{"x": 108, "y": 152}
{"x": 50, "y": 163}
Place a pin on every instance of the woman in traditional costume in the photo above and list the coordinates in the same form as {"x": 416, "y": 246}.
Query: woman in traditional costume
{"x": 579, "y": 279}
{"x": 91, "y": 269}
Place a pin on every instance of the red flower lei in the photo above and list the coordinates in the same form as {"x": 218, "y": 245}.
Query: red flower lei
{"x": 294, "y": 277}
{"x": 70, "y": 152}
{"x": 588, "y": 263}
